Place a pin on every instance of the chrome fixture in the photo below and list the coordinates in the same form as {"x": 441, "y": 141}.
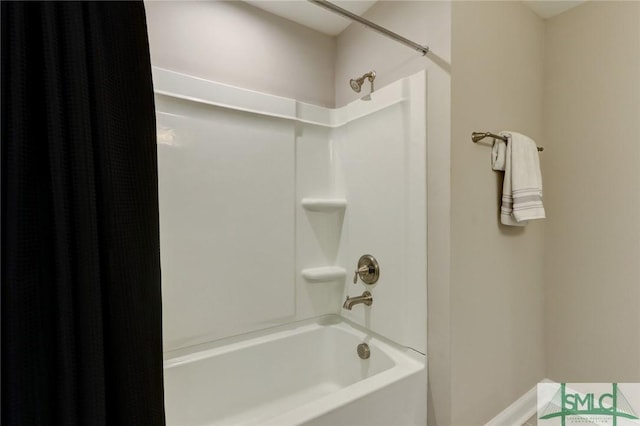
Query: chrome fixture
{"x": 366, "y": 298}
{"x": 356, "y": 83}
{"x": 363, "y": 351}
{"x": 368, "y": 270}
{"x": 478, "y": 136}
{"x": 385, "y": 32}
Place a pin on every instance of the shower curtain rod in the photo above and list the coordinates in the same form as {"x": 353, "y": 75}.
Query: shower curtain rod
{"x": 345, "y": 13}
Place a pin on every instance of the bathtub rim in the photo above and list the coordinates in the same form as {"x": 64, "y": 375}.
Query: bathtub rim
{"x": 176, "y": 357}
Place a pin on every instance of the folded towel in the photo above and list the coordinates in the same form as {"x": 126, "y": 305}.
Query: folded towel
{"x": 498, "y": 154}
{"x": 522, "y": 186}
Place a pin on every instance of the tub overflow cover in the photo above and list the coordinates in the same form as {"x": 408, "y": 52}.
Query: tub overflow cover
{"x": 363, "y": 351}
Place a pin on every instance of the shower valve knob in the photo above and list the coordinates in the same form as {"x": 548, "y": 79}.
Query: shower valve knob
{"x": 362, "y": 271}
{"x": 368, "y": 270}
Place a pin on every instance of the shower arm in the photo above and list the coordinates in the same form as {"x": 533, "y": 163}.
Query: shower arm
{"x": 371, "y": 76}
{"x": 385, "y": 32}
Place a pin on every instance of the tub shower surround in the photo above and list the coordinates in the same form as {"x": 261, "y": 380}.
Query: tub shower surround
{"x": 266, "y": 205}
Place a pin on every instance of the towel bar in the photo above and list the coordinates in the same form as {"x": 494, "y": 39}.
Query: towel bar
{"x": 478, "y": 136}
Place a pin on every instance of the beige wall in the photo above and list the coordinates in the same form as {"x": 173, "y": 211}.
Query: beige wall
{"x": 496, "y": 271}
{"x": 592, "y": 234}
{"x": 240, "y": 45}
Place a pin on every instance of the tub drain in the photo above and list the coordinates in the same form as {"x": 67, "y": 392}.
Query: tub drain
{"x": 363, "y": 351}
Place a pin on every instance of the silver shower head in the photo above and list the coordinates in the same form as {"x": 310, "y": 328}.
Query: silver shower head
{"x": 356, "y": 83}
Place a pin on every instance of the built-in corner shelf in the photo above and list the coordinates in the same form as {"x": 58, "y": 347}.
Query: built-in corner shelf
{"x": 324, "y": 204}
{"x": 324, "y": 274}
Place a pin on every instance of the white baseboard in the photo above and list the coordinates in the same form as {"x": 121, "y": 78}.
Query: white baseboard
{"x": 520, "y": 410}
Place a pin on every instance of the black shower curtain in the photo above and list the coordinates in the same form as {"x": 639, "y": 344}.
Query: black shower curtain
{"x": 81, "y": 306}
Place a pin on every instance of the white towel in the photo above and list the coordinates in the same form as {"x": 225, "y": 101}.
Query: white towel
{"x": 522, "y": 186}
{"x": 498, "y": 154}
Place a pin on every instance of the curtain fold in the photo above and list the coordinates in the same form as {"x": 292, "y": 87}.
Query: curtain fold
{"x": 81, "y": 299}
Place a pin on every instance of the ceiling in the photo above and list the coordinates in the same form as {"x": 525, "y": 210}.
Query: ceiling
{"x": 319, "y": 19}
{"x": 549, "y": 9}
{"x": 312, "y": 16}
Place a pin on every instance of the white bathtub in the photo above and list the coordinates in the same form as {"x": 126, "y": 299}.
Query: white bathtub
{"x": 304, "y": 373}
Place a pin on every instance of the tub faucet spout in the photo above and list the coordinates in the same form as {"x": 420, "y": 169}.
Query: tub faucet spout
{"x": 366, "y": 298}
